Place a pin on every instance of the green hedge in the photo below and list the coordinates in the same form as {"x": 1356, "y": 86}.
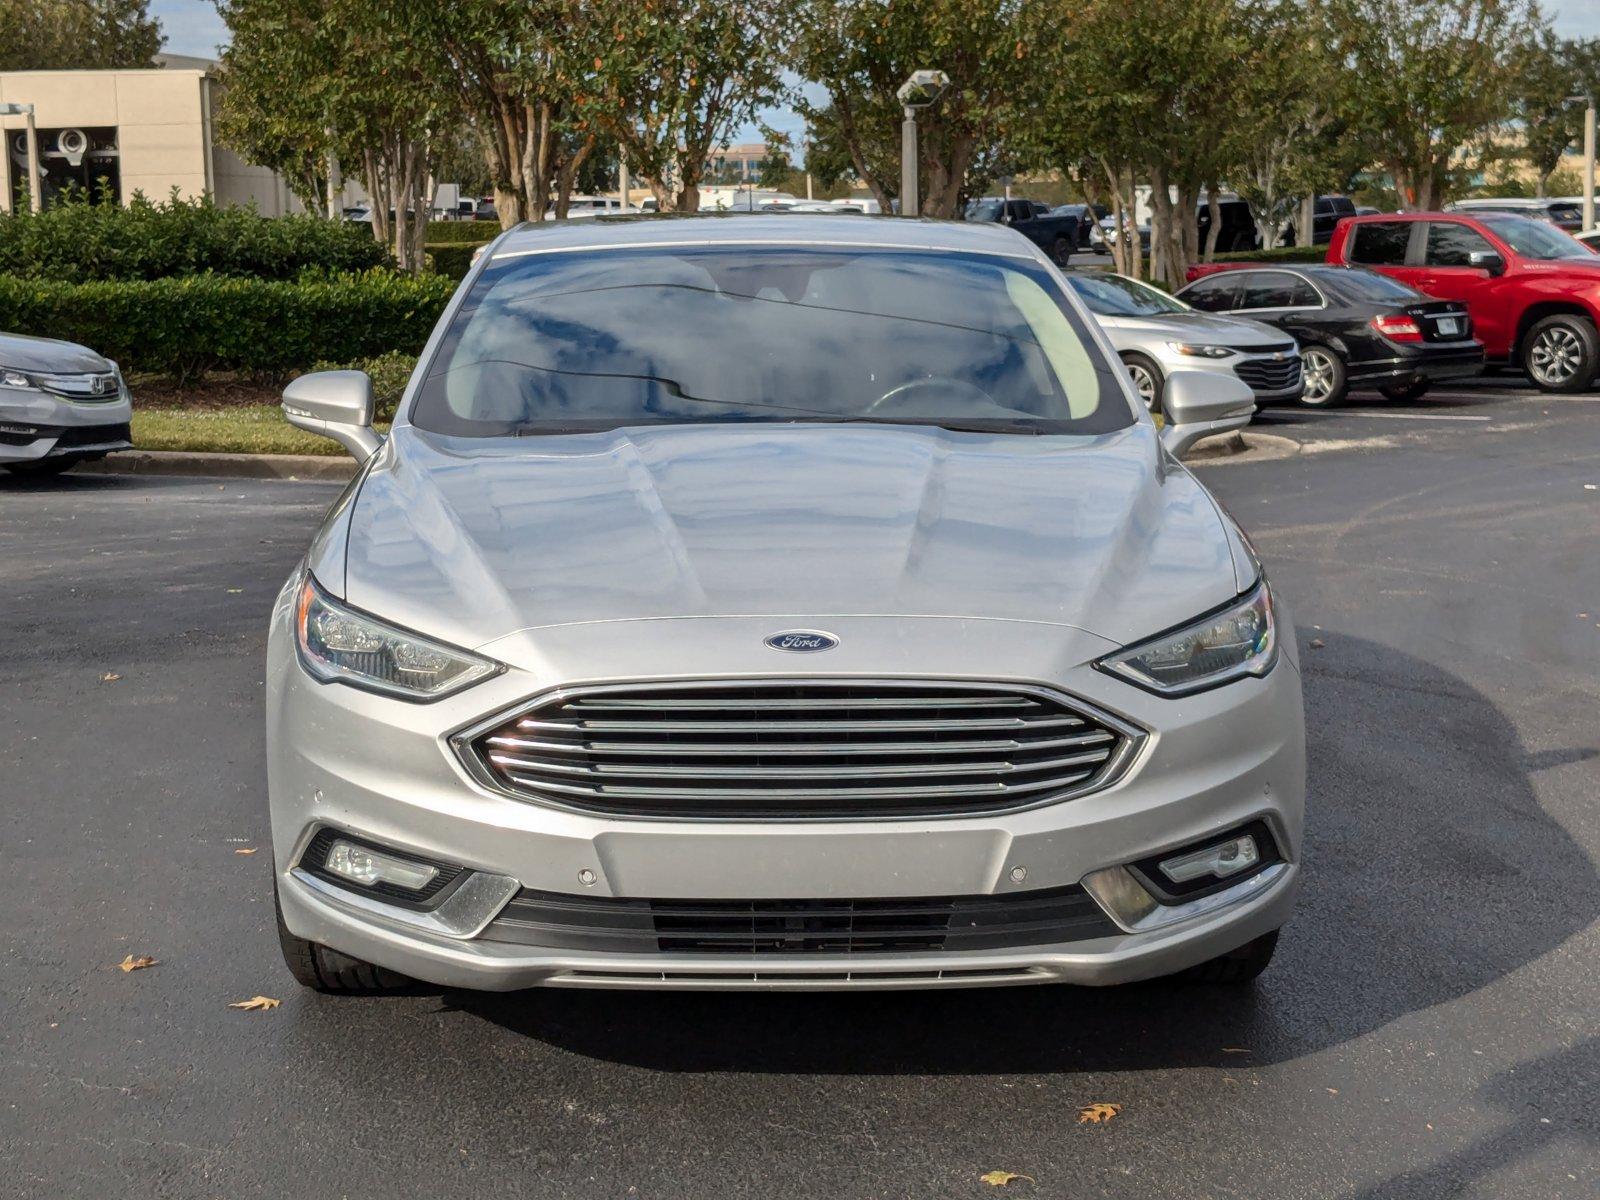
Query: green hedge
{"x": 452, "y": 259}
{"x": 463, "y": 231}
{"x": 1281, "y": 254}
{"x": 185, "y": 327}
{"x": 77, "y": 242}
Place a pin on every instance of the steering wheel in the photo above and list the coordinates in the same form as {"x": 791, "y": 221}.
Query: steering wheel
{"x": 950, "y": 387}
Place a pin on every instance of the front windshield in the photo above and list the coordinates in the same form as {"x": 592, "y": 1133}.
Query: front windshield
{"x": 984, "y": 210}
{"x": 1108, "y": 295}
{"x": 597, "y": 339}
{"x": 1534, "y": 239}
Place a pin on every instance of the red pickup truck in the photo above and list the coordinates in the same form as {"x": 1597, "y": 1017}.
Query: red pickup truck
{"x": 1532, "y": 290}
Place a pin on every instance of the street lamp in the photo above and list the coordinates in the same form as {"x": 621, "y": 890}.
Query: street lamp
{"x": 35, "y": 203}
{"x": 921, "y": 90}
{"x": 1588, "y": 158}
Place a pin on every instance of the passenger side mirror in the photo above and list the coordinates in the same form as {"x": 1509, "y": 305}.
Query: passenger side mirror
{"x": 1198, "y": 404}
{"x": 1487, "y": 260}
{"x": 337, "y": 405}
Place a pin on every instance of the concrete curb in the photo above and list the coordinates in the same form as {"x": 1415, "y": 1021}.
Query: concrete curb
{"x": 1241, "y": 447}
{"x": 234, "y": 466}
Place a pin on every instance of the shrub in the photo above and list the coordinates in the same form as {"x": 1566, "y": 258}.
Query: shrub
{"x": 77, "y": 242}
{"x": 1280, "y": 254}
{"x": 452, "y": 259}
{"x": 390, "y": 373}
{"x": 463, "y": 231}
{"x": 185, "y": 327}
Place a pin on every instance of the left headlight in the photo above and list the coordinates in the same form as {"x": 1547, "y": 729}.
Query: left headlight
{"x": 12, "y": 378}
{"x": 1235, "y": 641}
{"x": 1194, "y": 350}
{"x": 339, "y": 645}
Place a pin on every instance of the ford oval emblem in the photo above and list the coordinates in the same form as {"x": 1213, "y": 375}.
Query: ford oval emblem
{"x": 802, "y": 641}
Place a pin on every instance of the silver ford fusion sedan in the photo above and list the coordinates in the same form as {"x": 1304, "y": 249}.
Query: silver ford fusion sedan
{"x": 60, "y": 404}
{"x": 777, "y": 602}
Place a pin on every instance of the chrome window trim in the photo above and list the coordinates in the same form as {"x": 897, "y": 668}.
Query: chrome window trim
{"x": 700, "y": 243}
{"x": 1322, "y": 297}
{"x": 1116, "y": 769}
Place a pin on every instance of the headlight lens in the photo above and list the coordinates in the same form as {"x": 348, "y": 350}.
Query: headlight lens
{"x": 16, "y": 379}
{"x": 1194, "y": 350}
{"x": 1239, "y": 640}
{"x": 338, "y": 644}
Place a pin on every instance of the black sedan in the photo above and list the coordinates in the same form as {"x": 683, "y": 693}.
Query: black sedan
{"x": 1356, "y": 328}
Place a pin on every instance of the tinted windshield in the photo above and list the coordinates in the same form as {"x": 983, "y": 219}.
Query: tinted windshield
{"x": 563, "y": 342}
{"x": 1534, "y": 239}
{"x": 1118, "y": 296}
{"x": 1369, "y": 285}
{"x": 985, "y": 210}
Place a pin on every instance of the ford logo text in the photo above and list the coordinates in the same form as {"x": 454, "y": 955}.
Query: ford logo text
{"x": 802, "y": 641}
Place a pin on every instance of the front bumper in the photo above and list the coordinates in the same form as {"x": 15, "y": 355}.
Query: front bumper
{"x": 384, "y": 769}
{"x": 1171, "y": 361}
{"x": 38, "y": 425}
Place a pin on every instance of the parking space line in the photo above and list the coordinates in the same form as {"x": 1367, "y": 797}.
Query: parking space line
{"x": 1389, "y": 416}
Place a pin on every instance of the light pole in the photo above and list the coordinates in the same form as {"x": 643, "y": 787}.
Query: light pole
{"x": 1588, "y": 157}
{"x": 921, "y": 90}
{"x": 35, "y": 203}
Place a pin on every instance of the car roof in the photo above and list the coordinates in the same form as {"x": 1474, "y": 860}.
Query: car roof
{"x": 736, "y": 228}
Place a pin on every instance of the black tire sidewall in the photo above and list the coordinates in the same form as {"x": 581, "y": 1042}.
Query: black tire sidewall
{"x": 1584, "y": 328}
{"x": 1148, "y": 365}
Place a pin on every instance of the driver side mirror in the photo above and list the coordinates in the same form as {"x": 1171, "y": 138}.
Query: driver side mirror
{"x": 1198, "y": 404}
{"x": 337, "y": 405}
{"x": 1487, "y": 260}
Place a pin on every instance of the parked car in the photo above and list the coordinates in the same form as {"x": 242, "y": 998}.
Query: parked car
{"x": 858, "y": 204}
{"x": 1107, "y": 233}
{"x": 60, "y": 404}
{"x": 486, "y": 210}
{"x": 1088, "y": 218}
{"x": 672, "y": 640}
{"x": 1590, "y": 238}
{"x": 1326, "y": 213}
{"x": 1356, "y": 328}
{"x": 1156, "y": 335}
{"x": 1238, "y": 230}
{"x": 1533, "y": 291}
{"x": 1564, "y": 214}
{"x": 1056, "y": 236}
{"x": 591, "y": 206}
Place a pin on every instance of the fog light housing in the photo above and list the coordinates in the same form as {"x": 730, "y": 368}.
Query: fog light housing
{"x": 1214, "y": 862}
{"x": 396, "y": 876}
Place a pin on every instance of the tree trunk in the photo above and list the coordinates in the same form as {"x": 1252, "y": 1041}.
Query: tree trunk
{"x": 568, "y": 172}
{"x": 1214, "y": 207}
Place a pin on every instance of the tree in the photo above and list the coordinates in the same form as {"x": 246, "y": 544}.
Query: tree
{"x": 672, "y": 80}
{"x": 81, "y": 35}
{"x": 1000, "y": 56}
{"x": 1434, "y": 75}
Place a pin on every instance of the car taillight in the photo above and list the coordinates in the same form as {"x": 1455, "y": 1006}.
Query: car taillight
{"x": 1397, "y": 328}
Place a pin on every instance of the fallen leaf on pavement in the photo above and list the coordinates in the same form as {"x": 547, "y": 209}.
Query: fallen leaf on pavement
{"x": 234, "y": 591}
{"x": 1317, "y": 643}
{"x": 1001, "y": 1178}
{"x": 137, "y": 964}
{"x": 256, "y": 1003}
{"x": 245, "y": 850}
{"x": 1098, "y": 1113}
{"x": 110, "y": 677}
{"x": 1236, "y": 1050}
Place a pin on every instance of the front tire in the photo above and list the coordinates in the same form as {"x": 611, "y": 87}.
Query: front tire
{"x": 324, "y": 970}
{"x": 1147, "y": 380}
{"x": 1562, "y": 353}
{"x": 1326, "y": 382}
{"x": 1236, "y": 967}
{"x": 1060, "y": 251}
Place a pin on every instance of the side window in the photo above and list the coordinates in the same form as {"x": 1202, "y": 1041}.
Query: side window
{"x": 1380, "y": 243}
{"x": 1276, "y": 289}
{"x": 1216, "y": 294}
{"x": 1451, "y": 245}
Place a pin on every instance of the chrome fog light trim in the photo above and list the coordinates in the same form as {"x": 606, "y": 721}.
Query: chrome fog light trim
{"x": 463, "y": 914}
{"x": 1131, "y": 906}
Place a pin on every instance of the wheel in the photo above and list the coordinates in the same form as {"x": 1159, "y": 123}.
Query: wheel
{"x": 1562, "y": 353}
{"x": 1147, "y": 380}
{"x": 1236, "y": 966}
{"x": 1060, "y": 251}
{"x": 1324, "y": 377}
{"x": 326, "y": 970}
{"x": 42, "y": 467}
{"x": 1415, "y": 390}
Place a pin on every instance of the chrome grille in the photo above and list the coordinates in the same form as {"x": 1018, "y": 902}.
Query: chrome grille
{"x": 823, "y": 749}
{"x": 1270, "y": 374}
{"x": 95, "y": 388}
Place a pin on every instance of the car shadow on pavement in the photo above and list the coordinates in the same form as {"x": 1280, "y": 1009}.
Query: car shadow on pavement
{"x": 1431, "y": 871}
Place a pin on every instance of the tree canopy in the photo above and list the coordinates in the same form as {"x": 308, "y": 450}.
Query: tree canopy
{"x": 80, "y": 35}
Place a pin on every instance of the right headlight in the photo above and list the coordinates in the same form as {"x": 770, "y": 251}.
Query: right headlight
{"x": 11, "y": 378}
{"x": 1221, "y": 646}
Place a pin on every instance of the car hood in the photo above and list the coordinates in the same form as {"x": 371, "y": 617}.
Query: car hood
{"x": 24, "y": 353}
{"x": 1198, "y": 326}
{"x": 473, "y": 539}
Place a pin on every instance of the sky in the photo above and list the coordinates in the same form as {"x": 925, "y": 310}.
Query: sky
{"x": 193, "y": 27}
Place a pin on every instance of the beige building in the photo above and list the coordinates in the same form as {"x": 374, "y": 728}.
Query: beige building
{"x": 135, "y": 131}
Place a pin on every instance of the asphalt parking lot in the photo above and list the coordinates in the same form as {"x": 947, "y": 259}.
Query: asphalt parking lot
{"x": 1431, "y": 1026}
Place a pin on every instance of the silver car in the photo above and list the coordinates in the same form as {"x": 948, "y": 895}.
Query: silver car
{"x": 60, "y": 404}
{"x": 777, "y": 603}
{"x": 1156, "y": 335}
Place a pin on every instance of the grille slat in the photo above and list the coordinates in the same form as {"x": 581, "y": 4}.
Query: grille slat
{"x": 788, "y": 927}
{"x": 819, "y": 749}
{"x": 1269, "y": 373}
